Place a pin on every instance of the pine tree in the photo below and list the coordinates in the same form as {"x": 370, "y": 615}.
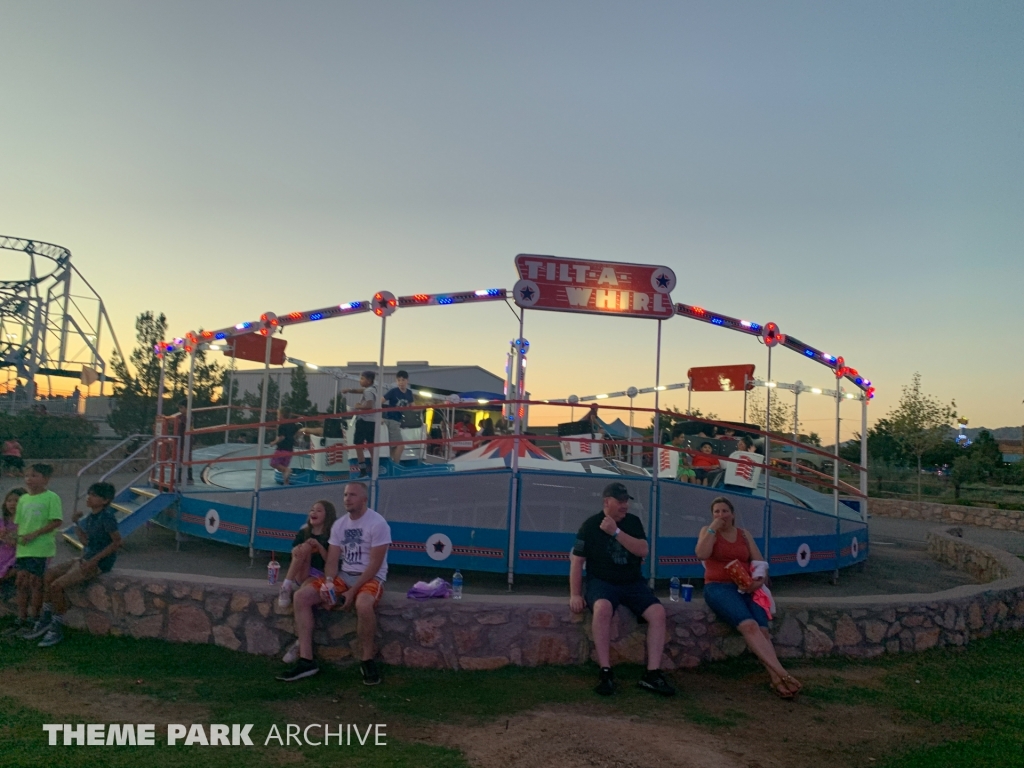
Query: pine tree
{"x": 298, "y": 399}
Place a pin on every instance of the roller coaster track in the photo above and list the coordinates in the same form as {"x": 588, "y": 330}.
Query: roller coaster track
{"x": 45, "y": 328}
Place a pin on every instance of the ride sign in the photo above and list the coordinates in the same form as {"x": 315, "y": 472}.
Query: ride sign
{"x": 594, "y": 287}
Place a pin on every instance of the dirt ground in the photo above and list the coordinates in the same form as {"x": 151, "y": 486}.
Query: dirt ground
{"x": 731, "y": 724}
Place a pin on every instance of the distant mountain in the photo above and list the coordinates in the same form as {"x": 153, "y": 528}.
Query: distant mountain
{"x": 1005, "y": 433}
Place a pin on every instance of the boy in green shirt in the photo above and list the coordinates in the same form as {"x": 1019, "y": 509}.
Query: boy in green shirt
{"x": 39, "y": 514}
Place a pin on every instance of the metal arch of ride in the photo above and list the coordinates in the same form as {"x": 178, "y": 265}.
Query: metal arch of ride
{"x": 44, "y": 327}
{"x": 485, "y": 548}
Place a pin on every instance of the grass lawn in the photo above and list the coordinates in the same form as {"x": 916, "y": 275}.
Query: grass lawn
{"x": 970, "y": 702}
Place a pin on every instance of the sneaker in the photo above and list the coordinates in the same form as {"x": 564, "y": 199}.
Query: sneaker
{"x": 52, "y": 637}
{"x": 655, "y": 682}
{"x": 606, "y": 686}
{"x": 371, "y": 675}
{"x": 36, "y": 631}
{"x": 292, "y": 654}
{"x": 284, "y": 598}
{"x": 303, "y": 668}
{"x": 18, "y": 626}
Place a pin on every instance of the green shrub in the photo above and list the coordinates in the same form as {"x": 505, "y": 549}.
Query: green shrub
{"x": 48, "y": 437}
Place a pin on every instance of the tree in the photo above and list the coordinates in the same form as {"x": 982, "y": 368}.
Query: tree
{"x": 920, "y": 422}
{"x": 134, "y": 406}
{"x": 985, "y": 450}
{"x": 782, "y": 413}
{"x": 298, "y": 399}
{"x": 135, "y": 394}
{"x": 966, "y": 469}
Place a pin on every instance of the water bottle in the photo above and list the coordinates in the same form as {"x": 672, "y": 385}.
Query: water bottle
{"x": 329, "y": 593}
{"x": 673, "y": 589}
{"x": 457, "y": 585}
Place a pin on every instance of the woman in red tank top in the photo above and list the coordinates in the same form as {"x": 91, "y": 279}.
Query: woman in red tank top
{"x": 718, "y": 545}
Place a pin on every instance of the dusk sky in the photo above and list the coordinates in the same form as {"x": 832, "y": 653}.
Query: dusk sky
{"x": 852, "y": 171}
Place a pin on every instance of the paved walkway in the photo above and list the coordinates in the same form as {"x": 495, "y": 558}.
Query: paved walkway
{"x": 913, "y": 532}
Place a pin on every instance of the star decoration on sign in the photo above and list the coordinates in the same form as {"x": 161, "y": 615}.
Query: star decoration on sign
{"x": 526, "y": 293}
{"x": 439, "y": 546}
{"x": 211, "y": 520}
{"x": 662, "y": 280}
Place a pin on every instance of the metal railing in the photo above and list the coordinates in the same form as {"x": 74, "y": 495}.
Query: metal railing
{"x": 147, "y": 441}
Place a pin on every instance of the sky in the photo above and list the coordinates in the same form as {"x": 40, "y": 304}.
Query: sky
{"x": 853, "y": 172}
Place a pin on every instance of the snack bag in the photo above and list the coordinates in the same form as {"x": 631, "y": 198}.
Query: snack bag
{"x": 739, "y": 573}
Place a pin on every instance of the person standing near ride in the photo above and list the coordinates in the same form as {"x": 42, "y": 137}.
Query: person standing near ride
{"x": 397, "y": 397}
{"x": 11, "y": 457}
{"x": 719, "y": 544}
{"x": 364, "y": 418}
{"x": 284, "y": 443}
{"x": 612, "y": 545}
{"x": 38, "y": 515}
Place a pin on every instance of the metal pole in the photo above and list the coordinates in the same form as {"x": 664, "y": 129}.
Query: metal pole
{"x": 259, "y": 444}
{"x": 689, "y": 396}
{"x": 375, "y": 452}
{"x": 632, "y": 448}
{"x": 159, "y": 387}
{"x": 231, "y": 392}
{"x": 744, "y": 398}
{"x": 334, "y": 408}
{"x": 796, "y": 422}
{"x": 835, "y": 479}
{"x": 187, "y": 441}
{"x": 864, "y": 456}
{"x": 654, "y": 516}
{"x": 516, "y": 431}
{"x": 768, "y": 462}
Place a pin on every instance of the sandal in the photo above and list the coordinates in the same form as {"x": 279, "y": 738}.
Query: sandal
{"x": 792, "y": 684}
{"x": 778, "y": 687}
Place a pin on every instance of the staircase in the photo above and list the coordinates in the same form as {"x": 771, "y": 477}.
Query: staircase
{"x": 133, "y": 507}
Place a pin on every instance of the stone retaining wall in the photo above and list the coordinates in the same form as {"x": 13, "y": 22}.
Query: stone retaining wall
{"x": 986, "y": 564}
{"x": 487, "y": 632}
{"x": 953, "y": 514}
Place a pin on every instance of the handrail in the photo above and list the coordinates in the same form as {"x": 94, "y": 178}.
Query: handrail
{"x": 97, "y": 460}
{"x": 129, "y": 457}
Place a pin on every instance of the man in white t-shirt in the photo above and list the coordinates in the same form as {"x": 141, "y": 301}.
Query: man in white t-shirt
{"x": 359, "y": 544}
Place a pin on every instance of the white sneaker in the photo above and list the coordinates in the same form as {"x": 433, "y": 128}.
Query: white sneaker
{"x": 284, "y": 598}
{"x": 292, "y": 654}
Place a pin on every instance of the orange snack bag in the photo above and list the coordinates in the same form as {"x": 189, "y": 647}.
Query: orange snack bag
{"x": 739, "y": 573}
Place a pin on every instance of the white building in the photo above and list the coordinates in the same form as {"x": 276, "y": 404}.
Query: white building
{"x": 325, "y": 381}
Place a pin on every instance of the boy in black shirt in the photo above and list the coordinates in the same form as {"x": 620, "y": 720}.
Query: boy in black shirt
{"x": 397, "y": 397}
{"x": 612, "y": 544}
{"x": 99, "y": 534}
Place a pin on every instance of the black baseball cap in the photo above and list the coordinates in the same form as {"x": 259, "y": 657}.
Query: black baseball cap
{"x": 616, "y": 491}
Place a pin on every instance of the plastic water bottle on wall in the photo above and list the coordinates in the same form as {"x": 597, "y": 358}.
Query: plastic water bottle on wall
{"x": 457, "y": 585}
{"x": 673, "y": 589}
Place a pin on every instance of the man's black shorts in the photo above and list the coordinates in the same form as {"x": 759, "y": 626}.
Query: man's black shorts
{"x": 364, "y": 432}
{"x": 638, "y": 597}
{"x": 33, "y": 565}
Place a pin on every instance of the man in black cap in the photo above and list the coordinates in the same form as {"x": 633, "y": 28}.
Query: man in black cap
{"x": 612, "y": 544}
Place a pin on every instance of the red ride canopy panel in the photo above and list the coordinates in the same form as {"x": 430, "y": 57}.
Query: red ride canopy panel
{"x": 720, "y": 378}
{"x": 253, "y": 346}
